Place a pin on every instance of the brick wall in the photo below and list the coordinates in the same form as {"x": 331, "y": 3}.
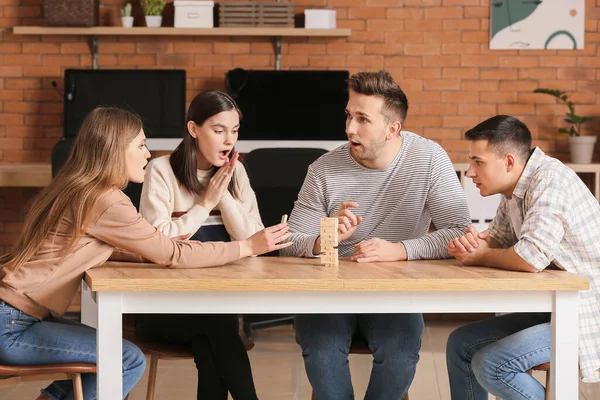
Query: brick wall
{"x": 436, "y": 49}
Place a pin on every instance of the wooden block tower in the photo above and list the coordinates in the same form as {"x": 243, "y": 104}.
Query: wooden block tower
{"x": 329, "y": 242}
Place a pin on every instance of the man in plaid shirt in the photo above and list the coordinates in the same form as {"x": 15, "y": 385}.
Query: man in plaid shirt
{"x": 547, "y": 216}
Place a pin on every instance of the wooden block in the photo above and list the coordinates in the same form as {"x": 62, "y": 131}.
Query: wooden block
{"x": 330, "y": 258}
{"x": 329, "y": 242}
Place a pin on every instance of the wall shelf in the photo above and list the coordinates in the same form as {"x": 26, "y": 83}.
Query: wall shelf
{"x": 96, "y": 31}
{"x": 139, "y": 31}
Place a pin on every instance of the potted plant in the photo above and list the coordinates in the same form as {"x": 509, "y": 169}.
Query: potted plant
{"x": 153, "y": 10}
{"x": 582, "y": 147}
{"x": 126, "y": 18}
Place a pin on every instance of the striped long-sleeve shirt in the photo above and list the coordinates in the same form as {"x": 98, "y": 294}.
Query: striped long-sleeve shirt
{"x": 397, "y": 204}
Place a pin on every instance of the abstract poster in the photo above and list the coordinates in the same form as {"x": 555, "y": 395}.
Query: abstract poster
{"x": 537, "y": 24}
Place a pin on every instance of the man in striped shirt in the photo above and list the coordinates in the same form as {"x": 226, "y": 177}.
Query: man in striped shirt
{"x": 547, "y": 216}
{"x": 386, "y": 187}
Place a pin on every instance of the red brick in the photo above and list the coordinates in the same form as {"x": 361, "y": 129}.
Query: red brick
{"x": 304, "y": 48}
{"x": 467, "y": 73}
{"x": 497, "y": 97}
{"x": 421, "y": 49}
{"x": 422, "y": 25}
{"x": 441, "y": 61}
{"x": 499, "y": 73}
{"x": 444, "y": 13}
{"x": 460, "y": 48}
{"x": 439, "y": 109}
{"x": 345, "y": 48}
{"x": 22, "y": 59}
{"x": 477, "y": 109}
{"x": 442, "y": 84}
{"x": 422, "y": 73}
{"x": 403, "y": 61}
{"x": 41, "y": 48}
{"x": 231, "y": 48}
{"x": 385, "y": 49}
{"x": 473, "y": 24}
{"x": 405, "y": 13}
{"x": 460, "y": 97}
{"x": 441, "y": 37}
{"x": 479, "y": 86}
{"x": 516, "y": 109}
{"x": 367, "y": 13}
{"x": 518, "y": 86}
{"x": 366, "y": 37}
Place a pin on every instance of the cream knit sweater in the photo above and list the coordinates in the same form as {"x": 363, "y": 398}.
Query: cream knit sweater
{"x": 164, "y": 200}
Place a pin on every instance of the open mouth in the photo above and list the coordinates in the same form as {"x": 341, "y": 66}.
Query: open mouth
{"x": 224, "y": 154}
{"x": 354, "y": 144}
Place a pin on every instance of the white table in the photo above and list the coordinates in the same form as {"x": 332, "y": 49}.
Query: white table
{"x": 294, "y": 285}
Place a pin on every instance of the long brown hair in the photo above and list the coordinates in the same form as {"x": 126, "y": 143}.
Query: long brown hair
{"x": 97, "y": 163}
{"x": 184, "y": 159}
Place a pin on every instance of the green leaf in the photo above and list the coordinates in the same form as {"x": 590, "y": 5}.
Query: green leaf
{"x": 563, "y": 130}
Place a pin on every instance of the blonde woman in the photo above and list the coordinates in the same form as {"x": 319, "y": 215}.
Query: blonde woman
{"x": 78, "y": 222}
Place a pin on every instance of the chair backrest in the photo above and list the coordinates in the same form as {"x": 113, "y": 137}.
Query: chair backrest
{"x": 60, "y": 154}
{"x": 276, "y": 176}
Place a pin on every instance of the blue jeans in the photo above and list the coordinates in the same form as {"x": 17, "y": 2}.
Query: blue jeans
{"x": 25, "y": 340}
{"x": 493, "y": 356}
{"x": 394, "y": 339}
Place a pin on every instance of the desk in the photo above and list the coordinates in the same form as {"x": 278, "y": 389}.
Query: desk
{"x": 298, "y": 285}
{"x": 25, "y": 175}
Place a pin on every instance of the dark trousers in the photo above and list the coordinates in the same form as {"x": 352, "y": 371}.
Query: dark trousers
{"x": 218, "y": 350}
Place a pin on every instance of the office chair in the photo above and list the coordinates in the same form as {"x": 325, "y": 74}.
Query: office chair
{"x": 276, "y": 176}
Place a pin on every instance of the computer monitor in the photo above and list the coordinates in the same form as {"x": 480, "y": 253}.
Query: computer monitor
{"x": 290, "y": 105}
{"x": 157, "y": 96}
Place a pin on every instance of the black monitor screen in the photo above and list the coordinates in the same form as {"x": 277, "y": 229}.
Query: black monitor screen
{"x": 290, "y": 105}
{"x": 157, "y": 96}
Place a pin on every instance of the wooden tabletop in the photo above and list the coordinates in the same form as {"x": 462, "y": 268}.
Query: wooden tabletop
{"x": 25, "y": 175}
{"x": 273, "y": 274}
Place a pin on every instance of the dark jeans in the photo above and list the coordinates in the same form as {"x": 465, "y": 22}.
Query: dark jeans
{"x": 394, "y": 339}
{"x": 218, "y": 350}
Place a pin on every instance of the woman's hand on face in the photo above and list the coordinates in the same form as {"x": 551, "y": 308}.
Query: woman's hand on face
{"x": 217, "y": 187}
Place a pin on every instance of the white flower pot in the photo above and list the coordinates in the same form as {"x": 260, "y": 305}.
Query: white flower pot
{"x": 582, "y": 149}
{"x": 153, "y": 21}
{"x": 127, "y": 22}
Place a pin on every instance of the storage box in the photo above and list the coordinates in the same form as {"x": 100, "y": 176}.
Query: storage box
{"x": 251, "y": 13}
{"x": 319, "y": 19}
{"x": 71, "y": 12}
{"x": 194, "y": 14}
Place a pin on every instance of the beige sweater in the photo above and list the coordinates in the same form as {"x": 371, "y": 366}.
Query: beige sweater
{"x": 175, "y": 211}
{"x": 46, "y": 285}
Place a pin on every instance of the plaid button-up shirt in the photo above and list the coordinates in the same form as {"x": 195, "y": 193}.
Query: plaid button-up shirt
{"x": 561, "y": 226}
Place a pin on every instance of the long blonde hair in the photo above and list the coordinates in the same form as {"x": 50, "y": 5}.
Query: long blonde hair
{"x": 97, "y": 163}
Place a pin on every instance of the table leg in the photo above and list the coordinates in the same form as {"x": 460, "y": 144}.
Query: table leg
{"x": 109, "y": 346}
{"x": 564, "y": 365}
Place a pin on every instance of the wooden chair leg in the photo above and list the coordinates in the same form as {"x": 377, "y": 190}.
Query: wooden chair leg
{"x": 547, "y": 385}
{"x": 77, "y": 386}
{"x": 152, "y": 378}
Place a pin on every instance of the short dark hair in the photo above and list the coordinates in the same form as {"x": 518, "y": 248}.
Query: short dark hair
{"x": 381, "y": 83}
{"x": 505, "y": 134}
{"x": 184, "y": 159}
